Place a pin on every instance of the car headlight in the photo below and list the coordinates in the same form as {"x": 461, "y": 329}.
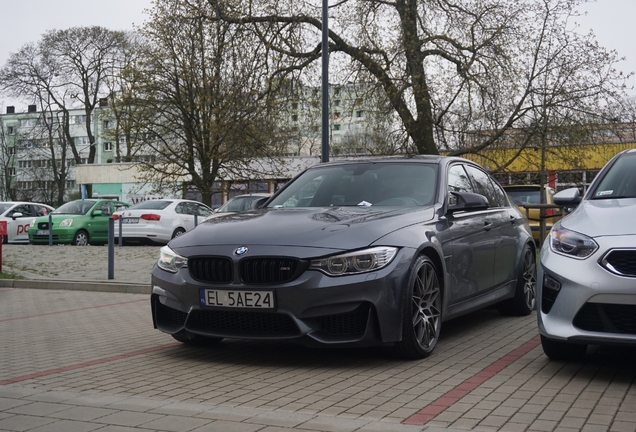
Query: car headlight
{"x": 355, "y": 262}
{"x": 571, "y": 243}
{"x": 171, "y": 261}
{"x": 66, "y": 222}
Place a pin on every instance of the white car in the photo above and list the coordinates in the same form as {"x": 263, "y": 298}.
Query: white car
{"x": 19, "y": 215}
{"x": 159, "y": 221}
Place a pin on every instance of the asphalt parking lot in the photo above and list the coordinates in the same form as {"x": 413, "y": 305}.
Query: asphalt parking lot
{"x": 88, "y": 359}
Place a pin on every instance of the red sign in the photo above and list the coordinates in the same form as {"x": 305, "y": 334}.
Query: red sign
{"x": 3, "y": 227}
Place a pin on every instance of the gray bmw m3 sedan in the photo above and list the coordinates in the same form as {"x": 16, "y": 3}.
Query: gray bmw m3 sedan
{"x": 351, "y": 253}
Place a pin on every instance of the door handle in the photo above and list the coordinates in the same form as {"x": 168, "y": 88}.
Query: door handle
{"x": 487, "y": 225}
{"x": 512, "y": 219}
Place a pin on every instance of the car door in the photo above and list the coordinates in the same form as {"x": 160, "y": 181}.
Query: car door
{"x": 185, "y": 213}
{"x": 472, "y": 244}
{"x": 18, "y": 226}
{"x": 503, "y": 231}
{"x": 98, "y": 231}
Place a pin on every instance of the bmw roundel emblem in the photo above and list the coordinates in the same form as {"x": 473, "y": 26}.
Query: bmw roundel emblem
{"x": 241, "y": 251}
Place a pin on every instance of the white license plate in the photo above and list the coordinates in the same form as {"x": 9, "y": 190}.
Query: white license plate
{"x": 237, "y": 299}
{"x": 42, "y": 232}
{"x": 130, "y": 220}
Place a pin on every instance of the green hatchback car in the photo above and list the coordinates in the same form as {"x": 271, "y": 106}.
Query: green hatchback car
{"x": 79, "y": 223}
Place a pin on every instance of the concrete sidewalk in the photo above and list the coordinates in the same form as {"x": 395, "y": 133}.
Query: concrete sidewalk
{"x": 79, "y": 267}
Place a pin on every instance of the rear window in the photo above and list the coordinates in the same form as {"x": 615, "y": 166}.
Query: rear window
{"x": 151, "y": 205}
{"x": 524, "y": 196}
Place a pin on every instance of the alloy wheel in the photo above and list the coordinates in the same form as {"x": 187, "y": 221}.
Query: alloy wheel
{"x": 426, "y": 306}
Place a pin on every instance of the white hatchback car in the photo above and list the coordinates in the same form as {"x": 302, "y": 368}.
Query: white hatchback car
{"x": 19, "y": 215}
{"x": 159, "y": 221}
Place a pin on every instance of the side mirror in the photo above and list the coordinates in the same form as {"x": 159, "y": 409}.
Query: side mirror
{"x": 16, "y": 215}
{"x": 467, "y": 201}
{"x": 97, "y": 213}
{"x": 256, "y": 204}
{"x": 567, "y": 197}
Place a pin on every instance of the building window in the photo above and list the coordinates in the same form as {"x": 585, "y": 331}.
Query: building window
{"x": 27, "y": 122}
{"x": 11, "y": 150}
{"x": 294, "y": 117}
{"x": 82, "y": 141}
{"x": 336, "y": 127}
{"x": 294, "y": 105}
{"x": 108, "y": 146}
{"x": 107, "y": 124}
{"x": 12, "y": 172}
{"x": 80, "y": 119}
{"x": 11, "y": 130}
{"x": 336, "y": 102}
{"x": 336, "y": 115}
{"x": 359, "y": 114}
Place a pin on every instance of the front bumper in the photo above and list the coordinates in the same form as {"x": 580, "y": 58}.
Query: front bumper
{"x": 363, "y": 309}
{"x": 60, "y": 235}
{"x": 592, "y": 305}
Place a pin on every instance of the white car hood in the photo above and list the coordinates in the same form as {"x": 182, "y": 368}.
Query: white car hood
{"x": 606, "y": 217}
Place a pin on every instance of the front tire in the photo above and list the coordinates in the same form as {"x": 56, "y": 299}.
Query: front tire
{"x": 422, "y": 315}
{"x": 559, "y": 350}
{"x": 80, "y": 238}
{"x": 523, "y": 302}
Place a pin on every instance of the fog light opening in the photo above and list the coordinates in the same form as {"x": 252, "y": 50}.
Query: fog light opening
{"x": 551, "y": 283}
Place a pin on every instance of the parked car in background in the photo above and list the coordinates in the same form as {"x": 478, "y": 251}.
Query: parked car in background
{"x": 587, "y": 272}
{"x": 239, "y": 203}
{"x": 159, "y": 221}
{"x": 19, "y": 215}
{"x": 527, "y": 195}
{"x": 364, "y": 252}
{"x": 79, "y": 223}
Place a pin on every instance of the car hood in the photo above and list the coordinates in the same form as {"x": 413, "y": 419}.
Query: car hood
{"x": 607, "y": 217}
{"x": 334, "y": 228}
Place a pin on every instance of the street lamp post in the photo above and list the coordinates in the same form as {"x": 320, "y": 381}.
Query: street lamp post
{"x": 325, "y": 82}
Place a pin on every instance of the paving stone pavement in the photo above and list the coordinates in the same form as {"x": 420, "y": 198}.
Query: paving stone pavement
{"x": 88, "y": 359}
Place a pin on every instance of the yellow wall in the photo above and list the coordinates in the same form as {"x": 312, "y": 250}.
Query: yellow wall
{"x": 558, "y": 158}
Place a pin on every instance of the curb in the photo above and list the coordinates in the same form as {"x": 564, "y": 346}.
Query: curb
{"x": 73, "y": 285}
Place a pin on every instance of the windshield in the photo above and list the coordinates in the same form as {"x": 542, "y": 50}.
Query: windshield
{"x": 151, "y": 205}
{"x": 362, "y": 184}
{"x": 238, "y": 204}
{"x": 79, "y": 207}
{"x": 619, "y": 181}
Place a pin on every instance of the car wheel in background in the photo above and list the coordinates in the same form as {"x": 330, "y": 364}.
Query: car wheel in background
{"x": 523, "y": 302}
{"x": 81, "y": 238}
{"x": 5, "y": 239}
{"x": 422, "y": 316}
{"x": 178, "y": 232}
{"x": 194, "y": 339}
{"x": 558, "y": 350}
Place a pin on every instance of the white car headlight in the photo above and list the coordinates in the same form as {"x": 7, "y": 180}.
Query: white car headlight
{"x": 571, "y": 243}
{"x": 66, "y": 222}
{"x": 171, "y": 261}
{"x": 355, "y": 262}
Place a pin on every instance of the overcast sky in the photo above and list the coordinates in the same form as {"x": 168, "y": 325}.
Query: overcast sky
{"x": 24, "y": 22}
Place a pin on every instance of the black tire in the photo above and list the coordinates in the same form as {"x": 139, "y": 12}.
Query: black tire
{"x": 422, "y": 315}
{"x": 559, "y": 350}
{"x": 178, "y": 232}
{"x": 80, "y": 238}
{"x": 195, "y": 340}
{"x": 524, "y": 300}
{"x": 5, "y": 239}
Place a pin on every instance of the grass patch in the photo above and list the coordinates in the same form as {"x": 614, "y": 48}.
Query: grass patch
{"x": 9, "y": 275}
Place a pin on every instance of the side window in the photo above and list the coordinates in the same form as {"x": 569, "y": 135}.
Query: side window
{"x": 105, "y": 208}
{"x": 483, "y": 186}
{"x": 203, "y": 210}
{"x": 458, "y": 181}
{"x": 180, "y": 208}
{"x": 499, "y": 194}
{"x": 24, "y": 209}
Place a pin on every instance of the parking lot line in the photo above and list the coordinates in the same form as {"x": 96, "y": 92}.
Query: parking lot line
{"x": 72, "y": 310}
{"x": 87, "y": 364}
{"x": 439, "y": 405}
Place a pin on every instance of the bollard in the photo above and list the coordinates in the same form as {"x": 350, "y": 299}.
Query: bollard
{"x": 111, "y": 248}
{"x": 50, "y": 229}
{"x": 121, "y": 223}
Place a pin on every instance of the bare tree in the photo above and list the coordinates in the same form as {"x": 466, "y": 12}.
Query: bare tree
{"x": 68, "y": 68}
{"x": 447, "y": 67}
{"x": 205, "y": 95}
